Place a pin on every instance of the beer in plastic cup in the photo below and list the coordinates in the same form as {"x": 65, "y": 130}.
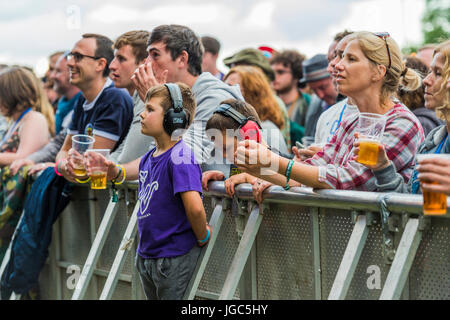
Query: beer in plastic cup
{"x": 98, "y": 168}
{"x": 370, "y": 128}
{"x": 81, "y": 143}
{"x": 434, "y": 203}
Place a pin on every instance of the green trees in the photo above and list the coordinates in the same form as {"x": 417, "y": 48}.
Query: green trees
{"x": 436, "y": 21}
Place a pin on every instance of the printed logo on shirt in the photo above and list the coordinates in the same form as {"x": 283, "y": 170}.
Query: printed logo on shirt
{"x": 89, "y": 130}
{"x": 145, "y": 195}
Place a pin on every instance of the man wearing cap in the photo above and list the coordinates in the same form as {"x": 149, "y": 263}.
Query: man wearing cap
{"x": 315, "y": 74}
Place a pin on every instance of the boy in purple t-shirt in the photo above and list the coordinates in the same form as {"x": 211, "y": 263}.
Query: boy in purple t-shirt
{"x": 171, "y": 219}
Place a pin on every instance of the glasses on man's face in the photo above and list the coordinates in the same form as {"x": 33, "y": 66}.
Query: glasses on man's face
{"x": 280, "y": 72}
{"x": 79, "y": 56}
{"x": 384, "y": 36}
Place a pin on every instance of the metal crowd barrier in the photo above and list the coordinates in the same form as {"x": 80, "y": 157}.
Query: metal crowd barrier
{"x": 299, "y": 244}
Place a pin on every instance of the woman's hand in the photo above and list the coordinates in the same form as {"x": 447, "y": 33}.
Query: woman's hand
{"x": 251, "y": 156}
{"x": 19, "y": 163}
{"x": 382, "y": 161}
{"x": 40, "y": 167}
{"x": 211, "y": 175}
{"x": 309, "y": 152}
{"x": 258, "y": 189}
{"x": 435, "y": 170}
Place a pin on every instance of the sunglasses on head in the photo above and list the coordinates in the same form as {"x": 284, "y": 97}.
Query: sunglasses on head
{"x": 384, "y": 36}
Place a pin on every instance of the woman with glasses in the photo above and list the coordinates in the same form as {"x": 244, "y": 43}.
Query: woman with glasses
{"x": 437, "y": 141}
{"x": 369, "y": 73}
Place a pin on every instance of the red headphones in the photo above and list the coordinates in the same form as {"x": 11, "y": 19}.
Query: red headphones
{"x": 249, "y": 129}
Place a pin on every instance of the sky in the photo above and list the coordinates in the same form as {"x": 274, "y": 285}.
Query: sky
{"x": 32, "y": 30}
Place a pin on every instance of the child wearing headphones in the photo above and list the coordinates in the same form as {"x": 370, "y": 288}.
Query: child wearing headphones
{"x": 171, "y": 219}
{"x": 233, "y": 121}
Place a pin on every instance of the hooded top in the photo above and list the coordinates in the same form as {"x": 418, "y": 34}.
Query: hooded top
{"x": 209, "y": 92}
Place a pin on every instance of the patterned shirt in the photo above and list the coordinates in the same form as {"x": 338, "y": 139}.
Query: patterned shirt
{"x": 402, "y": 136}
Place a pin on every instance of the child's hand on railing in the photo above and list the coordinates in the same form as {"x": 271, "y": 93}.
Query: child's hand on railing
{"x": 211, "y": 175}
{"x": 232, "y": 181}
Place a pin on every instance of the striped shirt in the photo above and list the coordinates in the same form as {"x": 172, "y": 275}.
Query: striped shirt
{"x": 402, "y": 137}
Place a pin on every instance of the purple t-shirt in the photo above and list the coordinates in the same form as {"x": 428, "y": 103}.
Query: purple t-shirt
{"x": 164, "y": 230}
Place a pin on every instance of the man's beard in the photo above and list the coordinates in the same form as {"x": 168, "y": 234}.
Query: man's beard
{"x": 286, "y": 89}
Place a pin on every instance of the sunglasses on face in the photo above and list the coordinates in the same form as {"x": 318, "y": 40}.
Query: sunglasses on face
{"x": 384, "y": 36}
{"x": 79, "y": 56}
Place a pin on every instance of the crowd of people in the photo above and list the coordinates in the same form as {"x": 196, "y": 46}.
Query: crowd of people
{"x": 173, "y": 121}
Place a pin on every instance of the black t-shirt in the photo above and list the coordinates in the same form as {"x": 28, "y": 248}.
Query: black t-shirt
{"x": 110, "y": 116}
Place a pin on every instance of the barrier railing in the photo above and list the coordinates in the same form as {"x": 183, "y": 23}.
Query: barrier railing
{"x": 299, "y": 244}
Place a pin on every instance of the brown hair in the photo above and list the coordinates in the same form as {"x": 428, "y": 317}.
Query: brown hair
{"x": 291, "y": 59}
{"x": 161, "y": 91}
{"x": 257, "y": 92}
{"x": 21, "y": 89}
{"x": 220, "y": 122}
{"x": 414, "y": 99}
{"x": 104, "y": 49}
{"x": 138, "y": 42}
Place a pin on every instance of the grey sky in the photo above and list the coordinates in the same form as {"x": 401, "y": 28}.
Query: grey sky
{"x": 31, "y": 30}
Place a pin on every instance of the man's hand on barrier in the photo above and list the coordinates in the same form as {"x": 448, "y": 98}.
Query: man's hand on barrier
{"x": 258, "y": 189}
{"x": 19, "y": 163}
{"x": 211, "y": 175}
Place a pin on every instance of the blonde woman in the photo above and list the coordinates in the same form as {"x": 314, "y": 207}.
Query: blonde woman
{"x": 370, "y": 72}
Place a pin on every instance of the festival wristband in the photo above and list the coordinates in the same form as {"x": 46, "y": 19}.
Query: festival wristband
{"x": 288, "y": 174}
{"x": 56, "y": 167}
{"x": 118, "y": 174}
{"x": 83, "y": 181}
{"x": 121, "y": 169}
{"x": 207, "y": 236}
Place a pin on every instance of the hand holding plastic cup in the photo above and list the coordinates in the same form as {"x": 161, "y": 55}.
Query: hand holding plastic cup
{"x": 370, "y": 128}
{"x": 98, "y": 167}
{"x": 434, "y": 203}
{"x": 80, "y": 144}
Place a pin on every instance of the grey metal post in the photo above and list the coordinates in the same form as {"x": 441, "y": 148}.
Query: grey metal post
{"x": 94, "y": 253}
{"x": 215, "y": 222}
{"x": 350, "y": 260}
{"x": 128, "y": 238}
{"x": 316, "y": 248}
{"x": 404, "y": 257}
{"x": 242, "y": 254}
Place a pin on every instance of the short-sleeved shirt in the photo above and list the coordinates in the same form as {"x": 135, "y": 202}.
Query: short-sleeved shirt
{"x": 108, "y": 116}
{"x": 163, "y": 226}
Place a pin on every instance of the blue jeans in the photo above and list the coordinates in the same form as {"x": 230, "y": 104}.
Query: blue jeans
{"x": 167, "y": 278}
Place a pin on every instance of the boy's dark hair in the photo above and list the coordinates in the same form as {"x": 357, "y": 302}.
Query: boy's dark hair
{"x": 138, "y": 42}
{"x": 178, "y": 38}
{"x": 220, "y": 122}
{"x": 104, "y": 49}
{"x": 211, "y": 45}
{"x": 161, "y": 91}
{"x": 291, "y": 59}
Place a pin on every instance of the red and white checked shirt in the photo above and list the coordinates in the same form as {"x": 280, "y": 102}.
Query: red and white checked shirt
{"x": 402, "y": 137}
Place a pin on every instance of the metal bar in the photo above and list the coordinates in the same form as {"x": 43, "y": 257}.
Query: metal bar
{"x": 316, "y": 248}
{"x": 99, "y": 272}
{"x": 121, "y": 256}
{"x": 8, "y": 251}
{"x": 92, "y": 202}
{"x": 404, "y": 257}
{"x": 350, "y": 260}
{"x": 215, "y": 222}
{"x": 242, "y": 254}
{"x": 94, "y": 253}
{"x": 54, "y": 257}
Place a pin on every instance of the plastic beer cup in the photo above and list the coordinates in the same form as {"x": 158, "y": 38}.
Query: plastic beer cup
{"x": 370, "y": 128}
{"x": 98, "y": 168}
{"x": 81, "y": 143}
{"x": 434, "y": 203}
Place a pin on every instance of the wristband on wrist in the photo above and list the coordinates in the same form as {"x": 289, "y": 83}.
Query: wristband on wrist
{"x": 288, "y": 174}
{"x": 207, "y": 236}
{"x": 121, "y": 169}
{"x": 56, "y": 167}
{"x": 118, "y": 174}
{"x": 83, "y": 181}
